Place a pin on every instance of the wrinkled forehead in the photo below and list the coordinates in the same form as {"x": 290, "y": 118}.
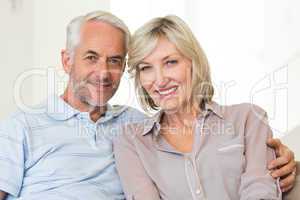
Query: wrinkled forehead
{"x": 101, "y": 35}
{"x": 161, "y": 49}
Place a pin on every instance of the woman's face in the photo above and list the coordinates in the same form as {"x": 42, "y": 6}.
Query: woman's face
{"x": 166, "y": 76}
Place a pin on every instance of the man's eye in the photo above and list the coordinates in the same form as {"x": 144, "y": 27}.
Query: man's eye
{"x": 115, "y": 61}
{"x": 91, "y": 58}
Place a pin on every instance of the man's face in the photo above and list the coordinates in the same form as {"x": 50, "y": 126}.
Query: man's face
{"x": 98, "y": 63}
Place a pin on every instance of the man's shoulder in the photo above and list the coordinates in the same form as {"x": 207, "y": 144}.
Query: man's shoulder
{"x": 16, "y": 118}
{"x": 27, "y": 119}
{"x": 14, "y": 126}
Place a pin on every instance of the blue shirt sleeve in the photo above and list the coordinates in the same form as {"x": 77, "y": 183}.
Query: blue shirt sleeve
{"x": 12, "y": 137}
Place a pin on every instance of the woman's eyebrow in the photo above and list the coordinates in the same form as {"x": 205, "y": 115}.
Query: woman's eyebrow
{"x": 144, "y": 63}
{"x": 168, "y": 56}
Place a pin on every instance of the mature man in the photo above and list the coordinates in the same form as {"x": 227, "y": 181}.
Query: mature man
{"x": 65, "y": 152}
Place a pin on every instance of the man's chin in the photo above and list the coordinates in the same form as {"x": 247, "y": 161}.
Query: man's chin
{"x": 97, "y": 103}
{"x": 94, "y": 102}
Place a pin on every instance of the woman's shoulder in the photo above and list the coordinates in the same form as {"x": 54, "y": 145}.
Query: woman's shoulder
{"x": 136, "y": 131}
{"x": 239, "y": 111}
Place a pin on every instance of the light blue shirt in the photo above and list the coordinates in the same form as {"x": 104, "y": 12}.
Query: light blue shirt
{"x": 60, "y": 154}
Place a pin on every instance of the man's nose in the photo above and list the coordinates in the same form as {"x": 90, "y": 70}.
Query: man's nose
{"x": 102, "y": 65}
{"x": 102, "y": 69}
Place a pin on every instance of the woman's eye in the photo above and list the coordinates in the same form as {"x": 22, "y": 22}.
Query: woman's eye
{"x": 172, "y": 62}
{"x": 143, "y": 68}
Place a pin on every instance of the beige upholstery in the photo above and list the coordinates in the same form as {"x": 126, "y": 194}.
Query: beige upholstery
{"x": 294, "y": 194}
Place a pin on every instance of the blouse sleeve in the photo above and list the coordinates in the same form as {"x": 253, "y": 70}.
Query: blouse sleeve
{"x": 256, "y": 181}
{"x": 136, "y": 183}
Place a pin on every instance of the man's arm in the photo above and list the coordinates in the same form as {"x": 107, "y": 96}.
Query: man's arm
{"x": 284, "y": 166}
{"x": 2, "y": 195}
{"x": 12, "y": 154}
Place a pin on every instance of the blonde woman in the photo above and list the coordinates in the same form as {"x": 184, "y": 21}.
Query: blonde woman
{"x": 192, "y": 148}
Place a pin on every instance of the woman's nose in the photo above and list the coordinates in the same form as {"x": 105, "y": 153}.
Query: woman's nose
{"x": 160, "y": 78}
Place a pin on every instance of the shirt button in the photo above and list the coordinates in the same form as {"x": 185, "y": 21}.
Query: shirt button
{"x": 198, "y": 191}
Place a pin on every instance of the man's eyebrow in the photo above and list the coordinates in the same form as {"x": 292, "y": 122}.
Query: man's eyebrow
{"x": 91, "y": 52}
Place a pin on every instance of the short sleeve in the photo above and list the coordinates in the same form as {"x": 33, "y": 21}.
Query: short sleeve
{"x": 11, "y": 155}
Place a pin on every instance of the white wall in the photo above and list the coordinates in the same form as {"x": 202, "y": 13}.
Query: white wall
{"x": 282, "y": 42}
{"x": 16, "y": 51}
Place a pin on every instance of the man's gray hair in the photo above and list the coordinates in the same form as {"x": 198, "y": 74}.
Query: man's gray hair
{"x": 74, "y": 27}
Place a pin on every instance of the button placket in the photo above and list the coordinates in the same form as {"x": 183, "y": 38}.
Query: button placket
{"x": 90, "y": 128}
{"x": 93, "y": 129}
{"x": 193, "y": 178}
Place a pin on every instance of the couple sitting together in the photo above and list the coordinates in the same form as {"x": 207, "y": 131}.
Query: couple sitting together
{"x": 80, "y": 147}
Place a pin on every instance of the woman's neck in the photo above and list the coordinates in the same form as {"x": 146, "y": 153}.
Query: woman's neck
{"x": 180, "y": 118}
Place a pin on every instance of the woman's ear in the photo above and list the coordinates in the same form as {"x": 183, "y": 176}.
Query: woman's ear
{"x": 66, "y": 60}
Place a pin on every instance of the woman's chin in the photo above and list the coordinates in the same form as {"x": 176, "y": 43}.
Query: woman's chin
{"x": 170, "y": 107}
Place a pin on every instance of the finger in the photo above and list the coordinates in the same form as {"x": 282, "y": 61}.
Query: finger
{"x": 288, "y": 185}
{"x": 273, "y": 142}
{"x": 278, "y": 162}
{"x": 285, "y": 157}
{"x": 276, "y": 145}
{"x": 288, "y": 181}
{"x": 285, "y": 170}
{"x": 285, "y": 189}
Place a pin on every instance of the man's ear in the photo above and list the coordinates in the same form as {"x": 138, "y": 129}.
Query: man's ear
{"x": 66, "y": 60}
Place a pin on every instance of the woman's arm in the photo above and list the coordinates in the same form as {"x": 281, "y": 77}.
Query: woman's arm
{"x": 256, "y": 181}
{"x": 136, "y": 183}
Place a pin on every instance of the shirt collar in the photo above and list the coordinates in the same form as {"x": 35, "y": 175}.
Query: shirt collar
{"x": 60, "y": 110}
{"x": 215, "y": 108}
{"x": 112, "y": 112}
{"x": 154, "y": 122}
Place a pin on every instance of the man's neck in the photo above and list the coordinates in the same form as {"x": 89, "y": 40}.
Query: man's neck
{"x": 95, "y": 111}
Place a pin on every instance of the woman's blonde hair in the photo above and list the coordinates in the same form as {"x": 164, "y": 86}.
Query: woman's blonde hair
{"x": 176, "y": 31}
